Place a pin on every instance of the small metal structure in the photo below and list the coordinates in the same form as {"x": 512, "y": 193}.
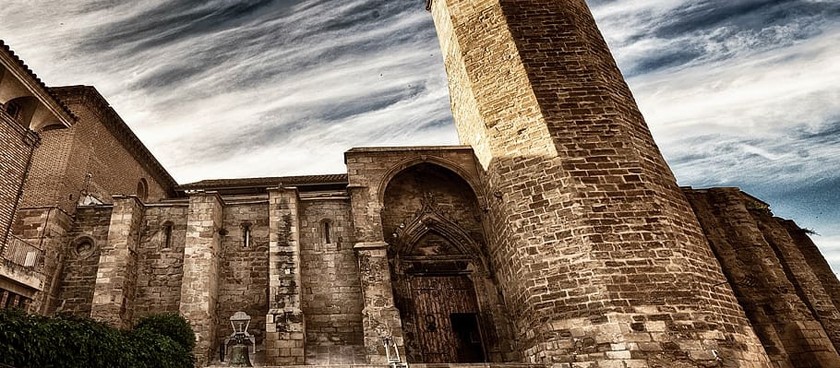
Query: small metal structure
{"x": 238, "y": 342}
{"x": 394, "y": 360}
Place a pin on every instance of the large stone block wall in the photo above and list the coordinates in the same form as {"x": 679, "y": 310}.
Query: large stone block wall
{"x": 160, "y": 268}
{"x": 787, "y": 305}
{"x": 17, "y": 143}
{"x": 81, "y": 263}
{"x": 61, "y": 163}
{"x": 594, "y": 244}
{"x": 816, "y": 261}
{"x": 332, "y": 296}
{"x": 243, "y": 271}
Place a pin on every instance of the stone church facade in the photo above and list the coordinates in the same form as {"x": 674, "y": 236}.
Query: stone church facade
{"x": 555, "y": 235}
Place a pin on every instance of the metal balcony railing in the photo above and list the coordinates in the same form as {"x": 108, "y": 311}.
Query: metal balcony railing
{"x": 23, "y": 254}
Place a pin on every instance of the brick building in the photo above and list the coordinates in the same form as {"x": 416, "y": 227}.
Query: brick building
{"x": 555, "y": 235}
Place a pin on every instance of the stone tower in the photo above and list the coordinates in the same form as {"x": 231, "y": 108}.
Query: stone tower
{"x": 594, "y": 245}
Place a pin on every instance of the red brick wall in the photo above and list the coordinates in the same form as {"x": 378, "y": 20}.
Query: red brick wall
{"x": 16, "y": 143}
{"x": 61, "y": 163}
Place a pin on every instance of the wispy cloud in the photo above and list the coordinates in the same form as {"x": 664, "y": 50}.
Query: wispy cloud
{"x": 741, "y": 92}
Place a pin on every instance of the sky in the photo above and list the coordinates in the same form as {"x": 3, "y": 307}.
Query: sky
{"x": 736, "y": 92}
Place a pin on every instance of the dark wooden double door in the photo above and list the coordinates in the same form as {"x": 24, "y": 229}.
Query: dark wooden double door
{"x": 446, "y": 319}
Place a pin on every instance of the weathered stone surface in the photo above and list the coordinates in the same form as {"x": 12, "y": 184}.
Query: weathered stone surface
{"x": 785, "y": 302}
{"x": 590, "y": 228}
{"x": 161, "y": 264}
{"x": 243, "y": 270}
{"x": 200, "y": 282}
{"x": 285, "y": 324}
{"x": 116, "y": 275}
{"x": 332, "y": 295}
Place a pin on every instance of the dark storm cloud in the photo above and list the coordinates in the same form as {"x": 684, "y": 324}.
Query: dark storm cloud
{"x": 177, "y": 20}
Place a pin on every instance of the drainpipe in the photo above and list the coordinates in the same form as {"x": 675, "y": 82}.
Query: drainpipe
{"x": 33, "y": 139}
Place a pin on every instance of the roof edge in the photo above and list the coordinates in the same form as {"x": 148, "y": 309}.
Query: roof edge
{"x": 57, "y": 107}
{"x": 115, "y": 123}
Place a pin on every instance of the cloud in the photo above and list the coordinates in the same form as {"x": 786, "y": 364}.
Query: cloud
{"x": 741, "y": 92}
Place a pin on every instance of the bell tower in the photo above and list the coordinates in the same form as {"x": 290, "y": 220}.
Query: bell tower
{"x": 597, "y": 251}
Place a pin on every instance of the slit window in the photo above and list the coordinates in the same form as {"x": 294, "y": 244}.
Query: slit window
{"x": 246, "y": 235}
{"x": 167, "y": 235}
{"x": 327, "y": 232}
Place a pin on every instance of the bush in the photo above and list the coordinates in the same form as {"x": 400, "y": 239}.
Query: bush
{"x": 66, "y": 341}
{"x": 172, "y": 325}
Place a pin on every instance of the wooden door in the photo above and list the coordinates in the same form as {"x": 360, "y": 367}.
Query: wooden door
{"x": 440, "y": 302}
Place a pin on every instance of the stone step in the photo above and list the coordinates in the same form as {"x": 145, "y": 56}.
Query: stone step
{"x": 412, "y": 365}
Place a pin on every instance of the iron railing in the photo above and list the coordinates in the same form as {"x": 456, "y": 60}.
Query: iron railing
{"x": 23, "y": 254}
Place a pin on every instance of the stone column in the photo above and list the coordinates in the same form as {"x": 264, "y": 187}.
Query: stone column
{"x": 284, "y": 323}
{"x": 113, "y": 294}
{"x": 380, "y": 316}
{"x": 199, "y": 285}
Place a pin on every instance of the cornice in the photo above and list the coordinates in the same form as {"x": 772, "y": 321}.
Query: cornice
{"x": 34, "y": 84}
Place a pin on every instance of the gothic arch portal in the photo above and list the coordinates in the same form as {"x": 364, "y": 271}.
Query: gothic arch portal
{"x": 443, "y": 285}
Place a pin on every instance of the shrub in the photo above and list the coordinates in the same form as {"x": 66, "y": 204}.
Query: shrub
{"x": 172, "y": 325}
{"x": 66, "y": 341}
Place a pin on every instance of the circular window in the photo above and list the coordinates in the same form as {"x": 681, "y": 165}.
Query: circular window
{"x": 83, "y": 247}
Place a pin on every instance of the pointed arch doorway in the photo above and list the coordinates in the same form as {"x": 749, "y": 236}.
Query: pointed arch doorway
{"x": 437, "y": 300}
{"x": 441, "y": 283}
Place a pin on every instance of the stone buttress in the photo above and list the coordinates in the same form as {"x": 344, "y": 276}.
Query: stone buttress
{"x": 285, "y": 331}
{"x": 199, "y": 288}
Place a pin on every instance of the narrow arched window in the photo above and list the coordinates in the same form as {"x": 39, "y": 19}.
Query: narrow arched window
{"x": 246, "y": 235}
{"x": 142, "y": 189}
{"x": 167, "y": 235}
{"x": 326, "y": 231}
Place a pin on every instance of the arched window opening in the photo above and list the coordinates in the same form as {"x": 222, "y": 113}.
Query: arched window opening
{"x": 142, "y": 189}
{"x": 326, "y": 231}
{"x": 246, "y": 234}
{"x": 13, "y": 109}
{"x": 21, "y": 109}
{"x": 167, "y": 235}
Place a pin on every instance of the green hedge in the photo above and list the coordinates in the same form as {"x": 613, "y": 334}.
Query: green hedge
{"x": 65, "y": 341}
